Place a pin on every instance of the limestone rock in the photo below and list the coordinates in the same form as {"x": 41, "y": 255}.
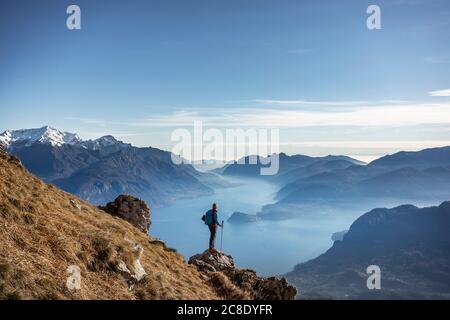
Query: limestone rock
{"x": 259, "y": 288}
{"x": 217, "y": 261}
{"x": 137, "y": 272}
{"x": 131, "y": 209}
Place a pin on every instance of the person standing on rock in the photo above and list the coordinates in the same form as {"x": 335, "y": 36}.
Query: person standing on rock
{"x": 211, "y": 219}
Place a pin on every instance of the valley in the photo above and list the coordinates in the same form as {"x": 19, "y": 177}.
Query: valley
{"x": 294, "y": 218}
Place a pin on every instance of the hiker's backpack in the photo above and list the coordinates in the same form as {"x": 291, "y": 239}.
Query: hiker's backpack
{"x": 208, "y": 217}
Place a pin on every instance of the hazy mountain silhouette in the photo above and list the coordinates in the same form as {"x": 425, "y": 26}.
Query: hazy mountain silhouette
{"x": 433, "y": 157}
{"x": 244, "y": 168}
{"x": 147, "y": 173}
{"x": 399, "y": 178}
{"x": 101, "y": 169}
{"x": 410, "y": 245}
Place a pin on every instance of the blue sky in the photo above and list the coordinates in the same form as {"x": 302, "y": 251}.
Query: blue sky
{"x": 139, "y": 69}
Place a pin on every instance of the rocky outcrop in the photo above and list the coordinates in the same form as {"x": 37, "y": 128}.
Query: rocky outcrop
{"x": 131, "y": 209}
{"x": 255, "y": 287}
{"x": 212, "y": 262}
{"x": 134, "y": 271}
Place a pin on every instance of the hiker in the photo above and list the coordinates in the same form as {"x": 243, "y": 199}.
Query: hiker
{"x": 212, "y": 221}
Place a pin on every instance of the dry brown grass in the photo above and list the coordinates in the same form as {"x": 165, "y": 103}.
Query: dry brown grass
{"x": 43, "y": 234}
{"x": 225, "y": 288}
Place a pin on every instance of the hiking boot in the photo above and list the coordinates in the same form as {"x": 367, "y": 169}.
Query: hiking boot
{"x": 212, "y": 250}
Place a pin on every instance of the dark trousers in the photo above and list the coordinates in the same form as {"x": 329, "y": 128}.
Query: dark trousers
{"x": 212, "y": 237}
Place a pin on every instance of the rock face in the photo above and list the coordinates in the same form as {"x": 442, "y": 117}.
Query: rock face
{"x": 246, "y": 280}
{"x": 131, "y": 209}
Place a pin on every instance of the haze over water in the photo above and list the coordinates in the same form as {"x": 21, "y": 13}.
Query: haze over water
{"x": 269, "y": 247}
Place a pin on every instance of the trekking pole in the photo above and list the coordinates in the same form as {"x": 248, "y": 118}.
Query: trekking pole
{"x": 221, "y": 238}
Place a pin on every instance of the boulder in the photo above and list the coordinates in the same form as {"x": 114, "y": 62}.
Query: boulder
{"x": 131, "y": 209}
{"x": 258, "y": 288}
{"x": 217, "y": 261}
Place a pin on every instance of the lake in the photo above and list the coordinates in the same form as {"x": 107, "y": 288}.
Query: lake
{"x": 269, "y": 247}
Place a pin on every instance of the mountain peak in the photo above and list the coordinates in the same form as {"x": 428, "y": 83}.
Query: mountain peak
{"x": 108, "y": 141}
{"x": 44, "y": 135}
{"x": 56, "y": 138}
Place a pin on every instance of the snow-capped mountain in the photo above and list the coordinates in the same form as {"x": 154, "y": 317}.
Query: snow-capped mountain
{"x": 105, "y": 142}
{"x": 101, "y": 169}
{"x": 57, "y": 138}
{"x": 44, "y": 135}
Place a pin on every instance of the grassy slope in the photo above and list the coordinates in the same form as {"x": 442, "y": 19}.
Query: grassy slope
{"x": 43, "y": 234}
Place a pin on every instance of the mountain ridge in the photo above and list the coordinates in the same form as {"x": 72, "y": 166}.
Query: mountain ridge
{"x": 421, "y": 178}
{"x": 44, "y": 135}
{"x": 411, "y": 245}
{"x": 48, "y": 135}
{"x": 101, "y": 169}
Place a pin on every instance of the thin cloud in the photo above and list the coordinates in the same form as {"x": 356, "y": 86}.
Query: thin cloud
{"x": 97, "y": 122}
{"x": 440, "y": 93}
{"x": 281, "y": 114}
{"x": 312, "y": 103}
{"x": 337, "y": 103}
{"x": 381, "y": 144}
{"x": 381, "y": 115}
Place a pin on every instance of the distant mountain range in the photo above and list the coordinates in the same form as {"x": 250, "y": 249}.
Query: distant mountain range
{"x": 98, "y": 170}
{"x": 101, "y": 169}
{"x": 290, "y": 167}
{"x": 418, "y": 177}
{"x": 410, "y": 245}
{"x": 340, "y": 184}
